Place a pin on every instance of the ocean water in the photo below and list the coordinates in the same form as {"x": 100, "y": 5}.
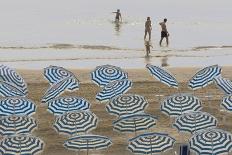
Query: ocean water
{"x": 82, "y": 34}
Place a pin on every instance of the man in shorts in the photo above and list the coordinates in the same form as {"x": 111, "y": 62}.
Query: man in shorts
{"x": 164, "y": 32}
{"x": 148, "y": 28}
{"x": 118, "y": 16}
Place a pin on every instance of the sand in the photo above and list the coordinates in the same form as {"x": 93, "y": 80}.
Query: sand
{"x": 143, "y": 84}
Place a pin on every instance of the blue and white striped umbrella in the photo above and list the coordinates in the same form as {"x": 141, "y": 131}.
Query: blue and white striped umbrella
{"x": 114, "y": 89}
{"x": 204, "y": 77}
{"x": 195, "y": 121}
{"x": 163, "y": 76}
{"x": 127, "y": 104}
{"x": 10, "y": 125}
{"x": 87, "y": 142}
{"x": 134, "y": 123}
{"x": 11, "y": 76}
{"x": 178, "y": 104}
{"x": 227, "y": 102}
{"x": 57, "y": 89}
{"x": 61, "y": 105}
{"x": 150, "y": 143}
{"x": 211, "y": 141}
{"x": 224, "y": 84}
{"x": 76, "y": 122}
{"x": 16, "y": 106}
{"x": 7, "y": 89}
{"x": 21, "y": 145}
{"x": 55, "y": 74}
{"x": 104, "y": 74}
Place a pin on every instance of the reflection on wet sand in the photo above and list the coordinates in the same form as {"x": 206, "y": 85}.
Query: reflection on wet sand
{"x": 117, "y": 27}
{"x": 164, "y": 62}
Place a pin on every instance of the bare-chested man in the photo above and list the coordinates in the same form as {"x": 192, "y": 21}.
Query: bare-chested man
{"x": 118, "y": 16}
{"x": 164, "y": 32}
{"x": 148, "y": 28}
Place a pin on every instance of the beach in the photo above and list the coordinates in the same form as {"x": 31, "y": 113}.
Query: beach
{"x": 143, "y": 84}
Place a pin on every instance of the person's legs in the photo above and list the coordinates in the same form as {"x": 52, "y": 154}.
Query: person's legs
{"x": 161, "y": 40}
{"x": 145, "y": 35}
{"x": 149, "y": 33}
{"x": 167, "y": 40}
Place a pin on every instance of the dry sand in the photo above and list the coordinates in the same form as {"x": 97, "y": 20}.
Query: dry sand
{"x": 143, "y": 84}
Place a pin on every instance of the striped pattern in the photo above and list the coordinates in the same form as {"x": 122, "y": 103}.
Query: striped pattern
{"x": 104, "y": 74}
{"x": 16, "y": 106}
{"x": 150, "y": 143}
{"x": 21, "y": 145}
{"x": 76, "y": 122}
{"x": 17, "y": 125}
{"x": 65, "y": 104}
{"x": 57, "y": 89}
{"x": 227, "y": 102}
{"x": 178, "y": 104}
{"x": 204, "y": 77}
{"x": 114, "y": 89}
{"x": 7, "y": 90}
{"x": 195, "y": 121}
{"x": 224, "y": 84}
{"x": 11, "y": 76}
{"x": 134, "y": 123}
{"x": 55, "y": 74}
{"x": 87, "y": 142}
{"x": 163, "y": 76}
{"x": 127, "y": 104}
{"x": 211, "y": 141}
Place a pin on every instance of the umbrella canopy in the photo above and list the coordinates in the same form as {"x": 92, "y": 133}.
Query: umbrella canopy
{"x": 76, "y": 122}
{"x": 227, "y": 102}
{"x": 163, "y": 76}
{"x": 178, "y": 104}
{"x": 10, "y": 125}
{"x": 21, "y": 144}
{"x": 87, "y": 142}
{"x": 114, "y": 89}
{"x": 224, "y": 84}
{"x": 135, "y": 122}
{"x": 57, "y": 89}
{"x": 104, "y": 74}
{"x": 7, "y": 89}
{"x": 150, "y": 143}
{"x": 195, "y": 121}
{"x": 61, "y": 105}
{"x": 204, "y": 77}
{"x": 16, "y": 106}
{"x": 55, "y": 74}
{"x": 127, "y": 104}
{"x": 211, "y": 141}
{"x": 11, "y": 76}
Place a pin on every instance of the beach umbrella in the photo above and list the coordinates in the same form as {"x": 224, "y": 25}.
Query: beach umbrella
{"x": 55, "y": 74}
{"x": 211, "y": 141}
{"x": 163, "y": 76}
{"x": 195, "y": 121}
{"x": 224, "y": 84}
{"x": 61, "y": 105}
{"x": 7, "y": 89}
{"x": 127, "y": 104}
{"x": 150, "y": 143}
{"x": 10, "y": 125}
{"x": 87, "y": 142}
{"x": 227, "y": 102}
{"x": 204, "y": 77}
{"x": 57, "y": 89}
{"x": 21, "y": 145}
{"x": 114, "y": 89}
{"x": 134, "y": 123}
{"x": 178, "y": 104}
{"x": 76, "y": 122}
{"x": 11, "y": 76}
{"x": 104, "y": 74}
{"x": 16, "y": 106}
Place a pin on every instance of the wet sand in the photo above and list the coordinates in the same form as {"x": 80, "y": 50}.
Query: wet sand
{"x": 143, "y": 84}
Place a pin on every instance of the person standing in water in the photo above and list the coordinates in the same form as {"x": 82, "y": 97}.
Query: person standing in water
{"x": 148, "y": 28}
{"x": 164, "y": 32}
{"x": 118, "y": 16}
